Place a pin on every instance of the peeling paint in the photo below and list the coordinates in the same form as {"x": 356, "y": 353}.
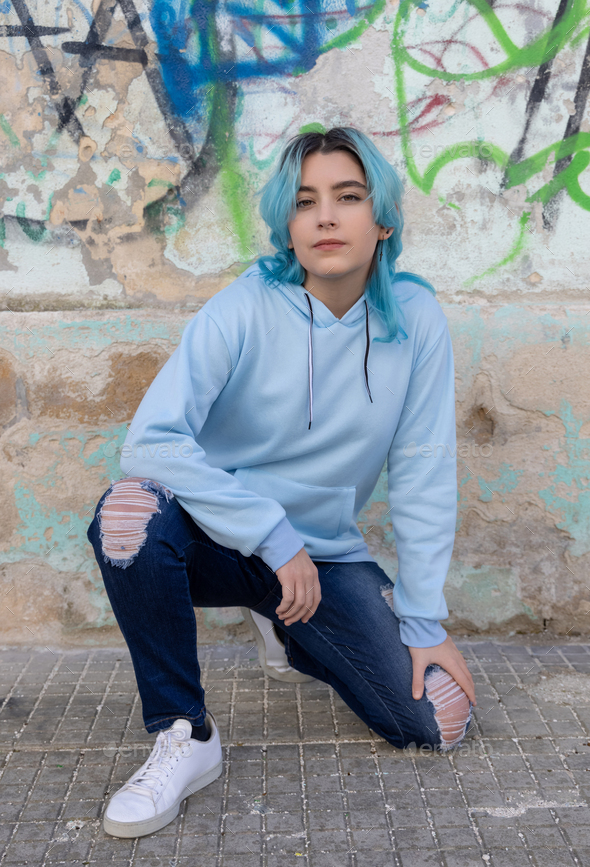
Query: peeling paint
{"x": 129, "y": 196}
{"x": 568, "y": 495}
{"x": 506, "y": 481}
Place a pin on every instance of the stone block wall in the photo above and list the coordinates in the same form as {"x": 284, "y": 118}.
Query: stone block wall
{"x": 134, "y": 140}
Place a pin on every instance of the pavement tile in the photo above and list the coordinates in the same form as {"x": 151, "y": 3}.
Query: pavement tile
{"x": 329, "y": 841}
{"x": 451, "y": 838}
{"x": 280, "y": 823}
{"x": 416, "y": 858}
{"x": 327, "y": 820}
{"x": 371, "y": 840}
{"x": 298, "y": 795}
{"x": 413, "y": 838}
{"x": 463, "y": 857}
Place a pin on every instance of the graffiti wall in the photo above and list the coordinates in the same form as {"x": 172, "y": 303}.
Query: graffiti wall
{"x": 134, "y": 139}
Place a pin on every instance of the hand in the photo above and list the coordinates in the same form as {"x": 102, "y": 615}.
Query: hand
{"x": 449, "y": 657}
{"x": 301, "y": 589}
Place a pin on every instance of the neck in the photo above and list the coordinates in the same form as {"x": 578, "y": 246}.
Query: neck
{"x": 339, "y": 294}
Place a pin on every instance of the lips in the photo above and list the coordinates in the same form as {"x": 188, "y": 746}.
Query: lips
{"x": 329, "y": 244}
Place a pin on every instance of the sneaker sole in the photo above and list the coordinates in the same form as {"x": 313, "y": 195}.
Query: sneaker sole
{"x": 149, "y": 826}
{"x": 292, "y": 676}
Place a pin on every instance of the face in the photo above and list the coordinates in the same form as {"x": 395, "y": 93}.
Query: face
{"x": 333, "y": 232}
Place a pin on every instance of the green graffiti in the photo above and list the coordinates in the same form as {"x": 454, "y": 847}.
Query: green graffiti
{"x": 234, "y": 188}
{"x": 49, "y": 201}
{"x": 53, "y": 140}
{"x": 160, "y": 182}
{"x": 353, "y": 34}
{"x": 540, "y": 50}
{"x": 2, "y": 232}
{"x": 264, "y": 164}
{"x": 516, "y": 249}
{"x": 164, "y": 217}
{"x": 33, "y": 231}
{"x": 448, "y": 204}
{"x": 312, "y": 127}
{"x": 567, "y": 179}
{"x": 574, "y": 145}
{"x": 41, "y": 173}
{"x": 9, "y": 132}
{"x": 115, "y": 176}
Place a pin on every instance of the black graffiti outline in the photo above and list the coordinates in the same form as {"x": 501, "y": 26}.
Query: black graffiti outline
{"x": 551, "y": 211}
{"x": 538, "y": 90}
{"x": 202, "y": 166}
{"x": 10, "y": 30}
{"x": 64, "y": 105}
{"x": 535, "y": 98}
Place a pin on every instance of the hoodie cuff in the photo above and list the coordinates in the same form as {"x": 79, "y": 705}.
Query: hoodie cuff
{"x": 281, "y": 544}
{"x": 420, "y": 632}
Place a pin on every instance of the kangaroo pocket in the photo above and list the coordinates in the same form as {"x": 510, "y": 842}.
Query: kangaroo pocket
{"x": 313, "y": 510}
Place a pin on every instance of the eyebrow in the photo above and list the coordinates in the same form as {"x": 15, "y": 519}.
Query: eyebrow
{"x": 340, "y": 185}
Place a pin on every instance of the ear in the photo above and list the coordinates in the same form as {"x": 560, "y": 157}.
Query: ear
{"x": 386, "y": 232}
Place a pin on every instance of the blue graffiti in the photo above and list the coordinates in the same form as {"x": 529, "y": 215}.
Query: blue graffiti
{"x": 200, "y": 43}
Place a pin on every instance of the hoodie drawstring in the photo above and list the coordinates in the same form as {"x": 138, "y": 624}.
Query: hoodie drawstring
{"x": 310, "y": 362}
{"x": 310, "y": 356}
{"x": 367, "y": 350}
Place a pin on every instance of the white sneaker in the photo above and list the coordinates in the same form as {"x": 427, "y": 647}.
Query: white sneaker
{"x": 271, "y": 650}
{"x": 177, "y": 766}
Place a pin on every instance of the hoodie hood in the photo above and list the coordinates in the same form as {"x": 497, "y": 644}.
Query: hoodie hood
{"x": 324, "y": 318}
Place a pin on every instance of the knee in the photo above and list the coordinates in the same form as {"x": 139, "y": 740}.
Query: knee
{"x": 452, "y": 708}
{"x": 124, "y": 515}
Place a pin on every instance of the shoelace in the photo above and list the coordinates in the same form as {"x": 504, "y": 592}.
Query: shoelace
{"x": 166, "y": 753}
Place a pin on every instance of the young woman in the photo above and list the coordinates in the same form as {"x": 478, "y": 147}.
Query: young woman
{"x": 247, "y": 464}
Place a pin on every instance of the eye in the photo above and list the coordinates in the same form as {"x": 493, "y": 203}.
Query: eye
{"x": 304, "y": 202}
{"x": 351, "y": 196}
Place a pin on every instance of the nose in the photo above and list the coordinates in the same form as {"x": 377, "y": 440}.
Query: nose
{"x": 326, "y": 216}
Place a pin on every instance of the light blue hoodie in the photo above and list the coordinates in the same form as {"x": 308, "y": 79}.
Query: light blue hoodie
{"x": 272, "y": 420}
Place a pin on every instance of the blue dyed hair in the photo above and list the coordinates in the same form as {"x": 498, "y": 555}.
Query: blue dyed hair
{"x": 277, "y": 207}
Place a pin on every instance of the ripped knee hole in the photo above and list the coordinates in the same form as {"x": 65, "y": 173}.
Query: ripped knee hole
{"x": 452, "y": 706}
{"x": 124, "y": 517}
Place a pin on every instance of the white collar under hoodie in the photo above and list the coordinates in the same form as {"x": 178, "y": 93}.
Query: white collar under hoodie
{"x": 273, "y": 420}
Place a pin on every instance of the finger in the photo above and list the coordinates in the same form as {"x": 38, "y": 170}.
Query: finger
{"x": 417, "y": 679}
{"x": 471, "y": 683}
{"x": 308, "y": 604}
{"x": 467, "y": 678}
{"x": 460, "y": 665}
{"x": 464, "y": 679}
{"x": 459, "y": 659}
{"x": 313, "y": 600}
{"x": 298, "y": 607}
{"x": 289, "y": 603}
{"x": 455, "y": 657}
{"x": 287, "y": 600}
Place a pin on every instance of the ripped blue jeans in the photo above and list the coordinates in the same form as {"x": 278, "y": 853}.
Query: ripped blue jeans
{"x": 157, "y": 565}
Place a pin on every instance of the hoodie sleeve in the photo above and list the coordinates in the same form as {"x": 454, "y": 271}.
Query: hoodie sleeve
{"x": 167, "y": 425}
{"x": 422, "y": 486}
